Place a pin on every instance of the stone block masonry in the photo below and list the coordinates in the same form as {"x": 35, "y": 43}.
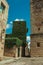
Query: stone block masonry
{"x": 36, "y": 28}
{"x": 3, "y": 20}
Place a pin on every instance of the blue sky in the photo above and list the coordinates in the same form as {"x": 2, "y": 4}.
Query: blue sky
{"x": 18, "y": 9}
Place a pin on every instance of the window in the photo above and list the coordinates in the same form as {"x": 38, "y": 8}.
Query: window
{"x": 0, "y": 9}
{"x": 38, "y": 29}
{"x": 3, "y": 6}
{"x": 3, "y": 30}
{"x": 38, "y": 44}
{"x": 42, "y": 22}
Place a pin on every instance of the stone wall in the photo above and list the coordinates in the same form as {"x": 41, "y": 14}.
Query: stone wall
{"x": 36, "y": 16}
{"x": 3, "y": 21}
{"x": 36, "y": 46}
{"x": 10, "y": 52}
{"x": 36, "y": 28}
{"x": 13, "y": 52}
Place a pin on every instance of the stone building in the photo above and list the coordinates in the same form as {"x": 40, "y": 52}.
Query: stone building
{"x": 20, "y": 30}
{"x": 36, "y": 28}
{"x": 3, "y": 20}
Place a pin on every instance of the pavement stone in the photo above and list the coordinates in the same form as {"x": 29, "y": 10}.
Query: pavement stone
{"x": 26, "y": 61}
{"x": 8, "y": 60}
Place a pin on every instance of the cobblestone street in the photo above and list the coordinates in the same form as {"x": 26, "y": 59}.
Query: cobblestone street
{"x": 27, "y": 61}
{"x": 22, "y": 61}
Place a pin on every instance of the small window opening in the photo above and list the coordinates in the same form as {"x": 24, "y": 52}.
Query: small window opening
{"x": 38, "y": 44}
{"x": 38, "y": 29}
{"x": 42, "y": 22}
{"x": 3, "y": 7}
{"x": 3, "y": 31}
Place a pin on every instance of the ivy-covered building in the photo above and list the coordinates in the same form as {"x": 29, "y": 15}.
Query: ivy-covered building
{"x": 19, "y": 31}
